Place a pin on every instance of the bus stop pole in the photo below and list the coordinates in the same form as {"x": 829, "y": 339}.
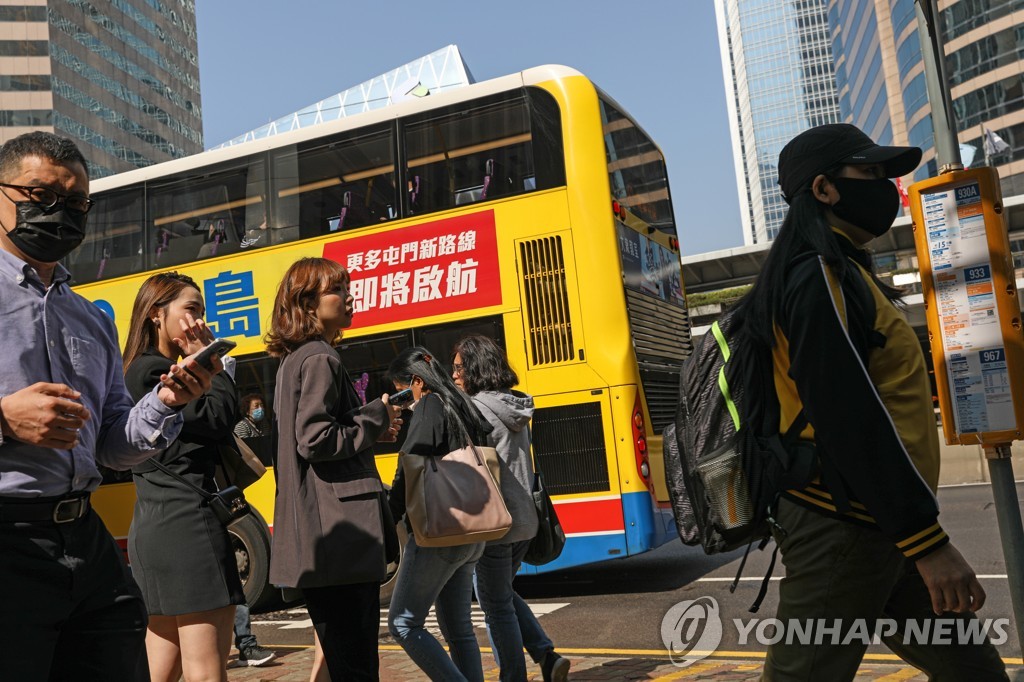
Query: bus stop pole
{"x": 1011, "y": 529}
{"x": 947, "y": 153}
{"x": 947, "y": 145}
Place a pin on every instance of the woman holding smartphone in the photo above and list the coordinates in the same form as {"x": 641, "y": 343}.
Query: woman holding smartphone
{"x": 333, "y": 532}
{"x": 180, "y": 552}
{"x": 443, "y": 420}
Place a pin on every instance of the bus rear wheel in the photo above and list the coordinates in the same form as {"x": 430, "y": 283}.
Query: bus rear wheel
{"x": 387, "y": 587}
{"x": 250, "y": 539}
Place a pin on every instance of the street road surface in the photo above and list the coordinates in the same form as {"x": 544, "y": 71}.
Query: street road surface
{"x": 620, "y": 604}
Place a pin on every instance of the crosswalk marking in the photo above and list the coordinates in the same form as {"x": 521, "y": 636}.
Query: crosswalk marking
{"x": 476, "y": 615}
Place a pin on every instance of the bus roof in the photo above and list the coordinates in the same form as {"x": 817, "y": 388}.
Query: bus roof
{"x": 531, "y": 76}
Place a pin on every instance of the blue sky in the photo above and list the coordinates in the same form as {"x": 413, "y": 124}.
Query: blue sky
{"x": 262, "y": 59}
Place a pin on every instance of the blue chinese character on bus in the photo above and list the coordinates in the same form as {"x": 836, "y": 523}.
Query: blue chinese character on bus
{"x": 232, "y": 309}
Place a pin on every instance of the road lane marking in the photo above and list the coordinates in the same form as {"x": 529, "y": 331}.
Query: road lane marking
{"x": 899, "y": 675}
{"x": 659, "y": 653}
{"x": 431, "y": 624}
{"x": 774, "y": 578}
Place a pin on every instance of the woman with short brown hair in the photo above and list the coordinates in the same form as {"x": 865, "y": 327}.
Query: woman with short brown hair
{"x": 333, "y": 532}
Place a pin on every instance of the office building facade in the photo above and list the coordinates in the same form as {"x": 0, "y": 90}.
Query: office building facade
{"x": 880, "y": 71}
{"x": 120, "y": 77}
{"x": 778, "y": 71}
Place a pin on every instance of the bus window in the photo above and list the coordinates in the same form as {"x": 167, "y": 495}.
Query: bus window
{"x": 442, "y": 338}
{"x": 192, "y": 217}
{"x": 257, "y": 375}
{"x": 113, "y": 238}
{"x": 469, "y": 153}
{"x": 336, "y": 184}
{"x": 636, "y": 169}
{"x": 367, "y": 360}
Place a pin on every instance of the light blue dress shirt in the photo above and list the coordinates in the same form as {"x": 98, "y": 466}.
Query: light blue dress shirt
{"x": 54, "y": 335}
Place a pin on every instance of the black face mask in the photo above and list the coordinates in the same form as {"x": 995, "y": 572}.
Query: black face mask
{"x": 871, "y": 205}
{"x": 46, "y": 236}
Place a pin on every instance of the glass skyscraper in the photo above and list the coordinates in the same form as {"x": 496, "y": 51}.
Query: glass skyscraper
{"x": 778, "y": 68}
{"x": 121, "y": 77}
{"x": 983, "y": 40}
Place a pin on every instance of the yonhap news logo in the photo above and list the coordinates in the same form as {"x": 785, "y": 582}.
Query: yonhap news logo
{"x": 692, "y": 630}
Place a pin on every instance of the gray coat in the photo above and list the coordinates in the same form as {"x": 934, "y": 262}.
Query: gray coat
{"x": 332, "y": 525}
{"x": 509, "y": 414}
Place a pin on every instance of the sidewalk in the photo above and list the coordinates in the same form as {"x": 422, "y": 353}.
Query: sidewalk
{"x": 293, "y": 664}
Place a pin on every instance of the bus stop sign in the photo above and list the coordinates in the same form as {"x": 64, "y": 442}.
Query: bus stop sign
{"x": 970, "y": 297}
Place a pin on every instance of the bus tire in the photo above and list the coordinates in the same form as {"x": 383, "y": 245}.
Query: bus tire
{"x": 387, "y": 587}
{"x": 250, "y": 540}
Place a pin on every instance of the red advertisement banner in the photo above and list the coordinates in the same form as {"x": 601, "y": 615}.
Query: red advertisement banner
{"x": 443, "y": 266}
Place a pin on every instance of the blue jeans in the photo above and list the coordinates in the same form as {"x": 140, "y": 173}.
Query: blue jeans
{"x": 511, "y": 624}
{"x": 243, "y": 628}
{"x": 442, "y": 577}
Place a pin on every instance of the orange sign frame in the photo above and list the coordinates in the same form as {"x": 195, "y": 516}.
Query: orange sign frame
{"x": 972, "y": 285}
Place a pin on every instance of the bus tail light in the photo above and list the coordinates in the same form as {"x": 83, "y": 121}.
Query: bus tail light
{"x": 643, "y": 465}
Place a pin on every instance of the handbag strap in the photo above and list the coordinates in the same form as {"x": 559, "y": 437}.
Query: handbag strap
{"x": 202, "y": 493}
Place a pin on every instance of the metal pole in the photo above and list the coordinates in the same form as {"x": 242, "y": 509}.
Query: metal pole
{"x": 1011, "y": 530}
{"x": 947, "y": 146}
{"x": 947, "y": 154}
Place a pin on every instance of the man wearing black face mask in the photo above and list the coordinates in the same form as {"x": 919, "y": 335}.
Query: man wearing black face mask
{"x": 70, "y": 608}
{"x": 861, "y": 542}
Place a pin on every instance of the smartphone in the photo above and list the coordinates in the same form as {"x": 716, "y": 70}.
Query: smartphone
{"x": 402, "y": 398}
{"x": 218, "y": 347}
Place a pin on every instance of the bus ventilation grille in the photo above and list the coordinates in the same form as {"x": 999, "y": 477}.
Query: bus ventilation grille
{"x": 547, "y": 301}
{"x": 661, "y": 339}
{"x": 568, "y": 443}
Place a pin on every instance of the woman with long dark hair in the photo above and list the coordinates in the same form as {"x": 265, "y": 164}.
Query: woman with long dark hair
{"x": 180, "y": 553}
{"x": 333, "y": 533}
{"x": 443, "y": 419}
{"x": 481, "y": 369}
{"x": 862, "y": 540}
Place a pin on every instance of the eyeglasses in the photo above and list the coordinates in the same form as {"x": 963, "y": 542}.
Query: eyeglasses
{"x": 456, "y": 368}
{"x": 48, "y": 199}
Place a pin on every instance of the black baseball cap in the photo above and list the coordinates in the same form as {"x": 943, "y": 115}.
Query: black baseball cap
{"x": 816, "y": 150}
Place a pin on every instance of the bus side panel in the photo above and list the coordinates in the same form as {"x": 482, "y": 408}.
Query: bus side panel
{"x": 115, "y": 504}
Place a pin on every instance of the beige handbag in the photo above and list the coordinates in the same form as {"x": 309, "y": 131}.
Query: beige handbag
{"x": 455, "y": 499}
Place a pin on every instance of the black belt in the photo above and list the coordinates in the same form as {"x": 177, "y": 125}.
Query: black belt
{"x": 61, "y": 510}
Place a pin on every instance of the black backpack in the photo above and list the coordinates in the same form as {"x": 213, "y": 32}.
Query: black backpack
{"x": 725, "y": 461}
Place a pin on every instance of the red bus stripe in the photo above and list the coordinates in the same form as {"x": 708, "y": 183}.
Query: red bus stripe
{"x": 590, "y": 517}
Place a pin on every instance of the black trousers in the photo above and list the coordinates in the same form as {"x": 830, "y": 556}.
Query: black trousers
{"x": 347, "y": 621}
{"x": 69, "y": 609}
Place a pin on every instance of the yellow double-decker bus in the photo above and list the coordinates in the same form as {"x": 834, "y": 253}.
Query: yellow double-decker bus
{"x": 530, "y": 208}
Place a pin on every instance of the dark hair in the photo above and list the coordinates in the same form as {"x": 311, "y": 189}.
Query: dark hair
{"x": 294, "y": 320}
{"x": 248, "y": 400}
{"x": 805, "y": 230}
{"x": 484, "y": 365}
{"x": 156, "y": 293}
{"x": 38, "y": 143}
{"x": 461, "y": 416}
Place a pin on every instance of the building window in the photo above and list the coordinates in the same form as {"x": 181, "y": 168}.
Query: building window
{"x": 24, "y": 83}
{"x": 15, "y": 13}
{"x": 23, "y": 48}
{"x": 28, "y": 118}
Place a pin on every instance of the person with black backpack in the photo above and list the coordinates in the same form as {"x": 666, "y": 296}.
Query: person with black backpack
{"x": 862, "y": 539}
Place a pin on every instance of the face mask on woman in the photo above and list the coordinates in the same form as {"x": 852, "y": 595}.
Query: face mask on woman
{"x": 871, "y": 205}
{"x": 257, "y": 414}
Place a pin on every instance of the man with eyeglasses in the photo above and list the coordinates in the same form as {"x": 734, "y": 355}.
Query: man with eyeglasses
{"x": 70, "y": 609}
